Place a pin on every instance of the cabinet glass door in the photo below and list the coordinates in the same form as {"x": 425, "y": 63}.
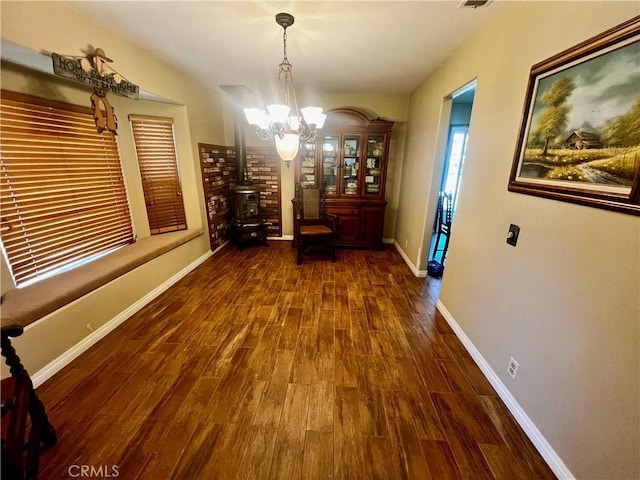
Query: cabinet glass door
{"x": 330, "y": 163}
{"x": 350, "y": 164}
{"x": 373, "y": 166}
{"x": 308, "y": 172}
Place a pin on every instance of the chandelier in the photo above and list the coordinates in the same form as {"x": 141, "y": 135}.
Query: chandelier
{"x": 282, "y": 120}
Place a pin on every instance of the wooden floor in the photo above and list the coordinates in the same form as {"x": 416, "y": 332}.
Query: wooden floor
{"x": 253, "y": 367}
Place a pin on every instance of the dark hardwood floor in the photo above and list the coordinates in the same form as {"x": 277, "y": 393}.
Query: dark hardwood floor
{"x": 253, "y": 367}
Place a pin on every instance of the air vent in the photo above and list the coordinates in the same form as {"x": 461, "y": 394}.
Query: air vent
{"x": 474, "y": 3}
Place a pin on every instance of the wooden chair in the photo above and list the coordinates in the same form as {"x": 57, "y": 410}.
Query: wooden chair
{"x": 21, "y": 449}
{"x": 443, "y": 224}
{"x": 315, "y": 228}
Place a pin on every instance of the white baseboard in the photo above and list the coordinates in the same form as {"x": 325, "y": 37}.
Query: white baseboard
{"x": 410, "y": 264}
{"x": 389, "y": 241}
{"x": 283, "y": 237}
{"x": 87, "y": 342}
{"x": 548, "y": 453}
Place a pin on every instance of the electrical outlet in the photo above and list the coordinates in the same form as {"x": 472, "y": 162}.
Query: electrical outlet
{"x": 513, "y": 368}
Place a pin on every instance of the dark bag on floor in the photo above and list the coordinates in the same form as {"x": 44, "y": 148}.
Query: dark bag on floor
{"x": 435, "y": 269}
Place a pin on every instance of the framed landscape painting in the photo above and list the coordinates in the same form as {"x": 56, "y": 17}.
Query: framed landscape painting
{"x": 580, "y": 134}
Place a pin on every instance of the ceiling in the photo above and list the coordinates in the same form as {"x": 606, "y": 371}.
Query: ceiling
{"x": 384, "y": 47}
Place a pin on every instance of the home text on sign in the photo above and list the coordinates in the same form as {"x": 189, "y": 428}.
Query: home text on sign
{"x": 71, "y": 69}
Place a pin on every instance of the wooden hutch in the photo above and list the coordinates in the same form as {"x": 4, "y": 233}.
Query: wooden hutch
{"x": 350, "y": 157}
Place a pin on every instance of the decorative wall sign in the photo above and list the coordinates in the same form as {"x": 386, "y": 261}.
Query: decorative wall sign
{"x": 94, "y": 70}
{"x": 108, "y": 121}
{"x": 579, "y": 139}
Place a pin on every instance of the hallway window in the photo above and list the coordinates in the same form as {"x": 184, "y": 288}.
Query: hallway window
{"x": 457, "y": 147}
{"x": 62, "y": 195}
{"x": 156, "y": 150}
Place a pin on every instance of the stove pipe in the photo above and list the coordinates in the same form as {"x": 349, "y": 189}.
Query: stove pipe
{"x": 236, "y": 92}
{"x": 241, "y": 152}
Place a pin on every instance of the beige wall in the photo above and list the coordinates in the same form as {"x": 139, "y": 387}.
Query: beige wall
{"x": 565, "y": 303}
{"x": 198, "y": 117}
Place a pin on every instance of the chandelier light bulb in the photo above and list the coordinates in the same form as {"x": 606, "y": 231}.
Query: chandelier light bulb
{"x": 287, "y": 146}
{"x": 313, "y": 116}
{"x": 257, "y": 117}
{"x": 278, "y": 113}
{"x": 294, "y": 122}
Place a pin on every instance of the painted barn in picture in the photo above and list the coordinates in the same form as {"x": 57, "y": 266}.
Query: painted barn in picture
{"x": 580, "y": 140}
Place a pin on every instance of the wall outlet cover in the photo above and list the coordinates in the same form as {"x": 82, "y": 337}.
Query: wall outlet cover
{"x": 513, "y": 368}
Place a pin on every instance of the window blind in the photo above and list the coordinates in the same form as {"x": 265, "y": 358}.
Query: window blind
{"x": 62, "y": 194}
{"x": 155, "y": 147}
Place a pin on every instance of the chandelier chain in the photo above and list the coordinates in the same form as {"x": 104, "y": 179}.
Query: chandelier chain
{"x": 284, "y": 42}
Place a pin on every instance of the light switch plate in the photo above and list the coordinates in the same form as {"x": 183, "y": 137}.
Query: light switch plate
{"x": 512, "y": 236}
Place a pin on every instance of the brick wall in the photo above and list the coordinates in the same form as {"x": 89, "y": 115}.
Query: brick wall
{"x": 263, "y": 167}
{"x": 218, "y": 166}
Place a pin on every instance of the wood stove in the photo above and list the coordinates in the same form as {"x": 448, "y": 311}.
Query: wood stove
{"x": 246, "y": 224}
{"x": 247, "y": 202}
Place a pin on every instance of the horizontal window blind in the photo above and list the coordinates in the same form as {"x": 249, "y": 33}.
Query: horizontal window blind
{"x": 155, "y": 147}
{"x": 62, "y": 195}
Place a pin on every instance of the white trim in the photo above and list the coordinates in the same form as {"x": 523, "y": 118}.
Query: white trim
{"x": 283, "y": 237}
{"x": 87, "y": 342}
{"x": 542, "y": 445}
{"x": 388, "y": 240}
{"x": 209, "y": 253}
{"x": 405, "y": 257}
{"x": 472, "y": 84}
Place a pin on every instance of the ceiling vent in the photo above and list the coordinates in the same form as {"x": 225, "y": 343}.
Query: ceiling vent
{"x": 474, "y": 3}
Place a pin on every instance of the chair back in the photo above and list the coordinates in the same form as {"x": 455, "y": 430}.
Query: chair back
{"x": 311, "y": 202}
{"x": 314, "y": 227}
{"x": 447, "y": 209}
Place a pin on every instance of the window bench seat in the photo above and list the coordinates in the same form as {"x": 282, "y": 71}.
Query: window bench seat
{"x": 23, "y": 306}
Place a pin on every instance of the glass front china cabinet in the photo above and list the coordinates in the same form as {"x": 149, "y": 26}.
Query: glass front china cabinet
{"x": 350, "y": 158}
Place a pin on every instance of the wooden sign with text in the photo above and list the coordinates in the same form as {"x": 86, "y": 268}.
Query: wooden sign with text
{"x": 72, "y": 68}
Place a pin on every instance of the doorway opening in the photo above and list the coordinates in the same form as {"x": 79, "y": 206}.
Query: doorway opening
{"x": 461, "y": 105}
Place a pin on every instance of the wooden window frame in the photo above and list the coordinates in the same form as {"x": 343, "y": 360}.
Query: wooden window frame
{"x": 154, "y": 140}
{"x": 63, "y": 200}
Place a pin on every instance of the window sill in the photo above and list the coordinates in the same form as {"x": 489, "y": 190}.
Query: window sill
{"x": 24, "y": 306}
